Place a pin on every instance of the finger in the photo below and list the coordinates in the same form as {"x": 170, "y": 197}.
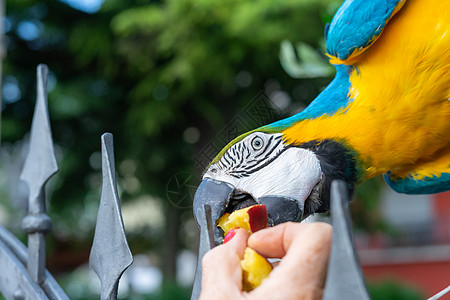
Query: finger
{"x": 301, "y": 273}
{"x": 221, "y": 271}
{"x": 274, "y": 241}
{"x": 310, "y": 250}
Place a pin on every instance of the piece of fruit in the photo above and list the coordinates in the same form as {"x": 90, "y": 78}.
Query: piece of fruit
{"x": 255, "y": 268}
{"x": 252, "y": 219}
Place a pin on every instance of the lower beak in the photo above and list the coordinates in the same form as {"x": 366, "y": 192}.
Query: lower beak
{"x": 282, "y": 209}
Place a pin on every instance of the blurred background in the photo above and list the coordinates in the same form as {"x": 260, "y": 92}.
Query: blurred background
{"x": 174, "y": 81}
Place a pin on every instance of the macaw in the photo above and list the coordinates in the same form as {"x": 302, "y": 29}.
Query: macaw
{"x": 387, "y": 111}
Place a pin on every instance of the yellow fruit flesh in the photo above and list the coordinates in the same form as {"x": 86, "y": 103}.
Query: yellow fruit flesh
{"x": 255, "y": 268}
{"x": 238, "y": 218}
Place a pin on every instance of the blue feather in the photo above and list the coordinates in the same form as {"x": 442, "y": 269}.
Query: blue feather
{"x": 428, "y": 185}
{"x": 356, "y": 24}
{"x": 330, "y": 100}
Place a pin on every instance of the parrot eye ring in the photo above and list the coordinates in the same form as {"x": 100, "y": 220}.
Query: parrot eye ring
{"x": 257, "y": 143}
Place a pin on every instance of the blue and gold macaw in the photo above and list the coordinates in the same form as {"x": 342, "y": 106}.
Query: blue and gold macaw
{"x": 387, "y": 111}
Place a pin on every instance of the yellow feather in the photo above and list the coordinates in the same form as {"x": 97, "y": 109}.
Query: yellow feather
{"x": 427, "y": 167}
{"x": 400, "y": 114}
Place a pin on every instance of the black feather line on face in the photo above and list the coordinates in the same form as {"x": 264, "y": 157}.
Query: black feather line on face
{"x": 241, "y": 159}
{"x": 336, "y": 162}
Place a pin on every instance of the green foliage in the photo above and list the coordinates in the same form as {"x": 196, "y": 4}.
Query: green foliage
{"x": 195, "y": 49}
{"x": 364, "y": 208}
{"x": 172, "y": 291}
{"x": 392, "y": 290}
{"x": 309, "y": 65}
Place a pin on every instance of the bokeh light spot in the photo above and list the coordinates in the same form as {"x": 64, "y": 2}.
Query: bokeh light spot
{"x": 29, "y": 30}
{"x": 160, "y": 92}
{"x": 11, "y": 92}
{"x": 191, "y": 135}
{"x": 88, "y": 6}
{"x": 95, "y": 160}
{"x": 280, "y": 100}
{"x": 244, "y": 79}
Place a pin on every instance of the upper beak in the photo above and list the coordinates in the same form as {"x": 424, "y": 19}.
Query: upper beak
{"x": 211, "y": 200}
{"x": 215, "y": 194}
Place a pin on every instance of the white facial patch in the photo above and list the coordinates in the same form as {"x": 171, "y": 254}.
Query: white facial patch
{"x": 293, "y": 174}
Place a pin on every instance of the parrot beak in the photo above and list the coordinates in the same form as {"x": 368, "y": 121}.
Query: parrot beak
{"x": 282, "y": 209}
{"x": 221, "y": 196}
{"x": 212, "y": 199}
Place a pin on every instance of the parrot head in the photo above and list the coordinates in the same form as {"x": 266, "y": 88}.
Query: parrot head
{"x": 261, "y": 167}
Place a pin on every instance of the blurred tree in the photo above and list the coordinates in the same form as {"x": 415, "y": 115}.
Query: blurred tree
{"x": 393, "y": 290}
{"x": 164, "y": 77}
{"x": 365, "y": 210}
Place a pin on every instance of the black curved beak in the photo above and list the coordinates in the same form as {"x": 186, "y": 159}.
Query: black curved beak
{"x": 282, "y": 209}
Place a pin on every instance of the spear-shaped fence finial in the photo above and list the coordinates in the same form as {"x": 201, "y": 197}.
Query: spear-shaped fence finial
{"x": 40, "y": 165}
{"x": 344, "y": 279}
{"x": 110, "y": 254}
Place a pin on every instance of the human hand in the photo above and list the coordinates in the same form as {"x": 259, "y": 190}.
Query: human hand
{"x": 303, "y": 247}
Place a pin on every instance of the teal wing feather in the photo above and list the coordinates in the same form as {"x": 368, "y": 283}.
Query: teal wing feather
{"x": 428, "y": 185}
{"x": 357, "y": 24}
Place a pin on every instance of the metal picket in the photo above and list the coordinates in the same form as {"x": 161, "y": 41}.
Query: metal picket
{"x": 23, "y": 274}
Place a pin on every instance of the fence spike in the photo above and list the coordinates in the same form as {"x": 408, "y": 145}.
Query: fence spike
{"x": 206, "y": 244}
{"x": 40, "y": 165}
{"x": 110, "y": 255}
{"x": 344, "y": 279}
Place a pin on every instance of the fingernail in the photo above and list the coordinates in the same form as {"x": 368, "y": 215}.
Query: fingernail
{"x": 230, "y": 234}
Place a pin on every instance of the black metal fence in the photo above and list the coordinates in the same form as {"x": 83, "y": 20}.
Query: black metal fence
{"x": 23, "y": 274}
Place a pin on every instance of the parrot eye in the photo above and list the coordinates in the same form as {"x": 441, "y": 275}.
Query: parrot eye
{"x": 257, "y": 143}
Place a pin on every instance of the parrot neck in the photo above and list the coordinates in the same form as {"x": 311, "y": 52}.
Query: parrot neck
{"x": 337, "y": 90}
